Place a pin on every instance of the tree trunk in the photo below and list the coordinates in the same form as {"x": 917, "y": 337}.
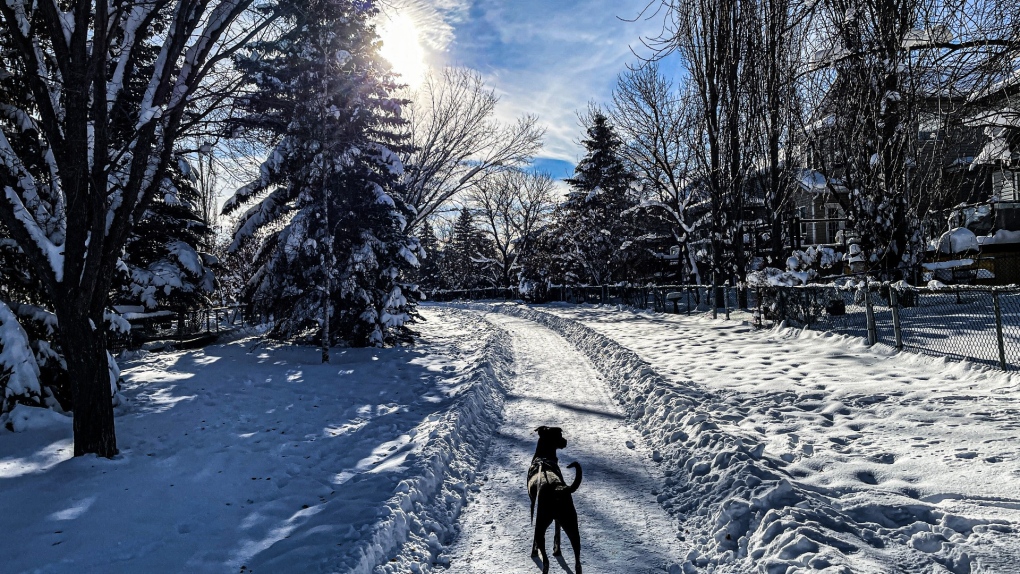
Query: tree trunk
{"x": 85, "y": 352}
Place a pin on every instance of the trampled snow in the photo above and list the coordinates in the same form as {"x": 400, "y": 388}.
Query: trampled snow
{"x": 707, "y": 446}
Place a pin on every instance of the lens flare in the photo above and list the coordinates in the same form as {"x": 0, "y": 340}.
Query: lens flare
{"x": 401, "y": 46}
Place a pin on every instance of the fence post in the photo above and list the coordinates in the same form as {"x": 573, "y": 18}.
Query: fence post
{"x": 714, "y": 300}
{"x": 869, "y": 312}
{"x": 761, "y": 316}
{"x": 809, "y": 306}
{"x": 998, "y": 329}
{"x": 894, "y": 306}
{"x": 726, "y": 299}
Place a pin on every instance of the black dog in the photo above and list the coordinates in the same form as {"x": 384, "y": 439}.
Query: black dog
{"x": 551, "y": 494}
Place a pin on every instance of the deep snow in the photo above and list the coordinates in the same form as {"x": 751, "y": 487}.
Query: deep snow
{"x": 772, "y": 451}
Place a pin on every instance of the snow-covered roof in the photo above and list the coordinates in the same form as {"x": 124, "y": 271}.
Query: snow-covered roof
{"x": 815, "y": 181}
{"x": 995, "y": 150}
{"x": 1006, "y": 117}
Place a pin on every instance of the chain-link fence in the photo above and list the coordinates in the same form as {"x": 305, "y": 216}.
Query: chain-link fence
{"x": 981, "y": 324}
{"x": 687, "y": 299}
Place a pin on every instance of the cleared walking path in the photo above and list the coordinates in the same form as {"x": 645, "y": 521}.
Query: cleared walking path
{"x": 623, "y": 527}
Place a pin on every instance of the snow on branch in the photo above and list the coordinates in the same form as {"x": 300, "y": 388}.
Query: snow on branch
{"x": 268, "y": 172}
{"x": 258, "y": 215}
{"x": 222, "y": 16}
{"x": 53, "y": 253}
{"x": 140, "y": 14}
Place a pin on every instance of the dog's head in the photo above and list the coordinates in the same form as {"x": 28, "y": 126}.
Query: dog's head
{"x": 553, "y": 436}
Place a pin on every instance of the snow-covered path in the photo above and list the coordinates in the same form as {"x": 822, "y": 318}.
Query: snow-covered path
{"x": 623, "y": 528}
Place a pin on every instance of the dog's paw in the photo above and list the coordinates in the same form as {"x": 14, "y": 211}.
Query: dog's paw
{"x": 556, "y": 552}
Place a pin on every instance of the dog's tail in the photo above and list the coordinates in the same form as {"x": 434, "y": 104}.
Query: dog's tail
{"x": 577, "y": 477}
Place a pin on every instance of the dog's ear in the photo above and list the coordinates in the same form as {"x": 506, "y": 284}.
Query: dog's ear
{"x": 541, "y": 430}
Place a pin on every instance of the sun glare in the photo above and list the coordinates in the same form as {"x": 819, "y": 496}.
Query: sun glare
{"x": 402, "y": 48}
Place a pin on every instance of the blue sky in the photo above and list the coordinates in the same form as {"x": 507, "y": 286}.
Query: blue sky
{"x": 544, "y": 57}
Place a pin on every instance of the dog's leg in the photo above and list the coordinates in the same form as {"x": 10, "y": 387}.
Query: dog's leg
{"x": 573, "y": 534}
{"x": 541, "y": 525}
{"x": 556, "y": 541}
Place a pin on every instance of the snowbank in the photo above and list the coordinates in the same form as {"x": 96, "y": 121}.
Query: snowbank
{"x": 419, "y": 521}
{"x": 24, "y": 418}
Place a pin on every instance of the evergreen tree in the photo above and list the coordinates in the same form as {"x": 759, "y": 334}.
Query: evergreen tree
{"x": 328, "y": 220}
{"x": 430, "y": 274}
{"x": 469, "y": 259}
{"x": 163, "y": 264}
{"x": 593, "y": 223}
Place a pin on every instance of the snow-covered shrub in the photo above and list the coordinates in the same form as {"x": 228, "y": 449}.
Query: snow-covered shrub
{"x": 802, "y": 267}
{"x": 19, "y": 371}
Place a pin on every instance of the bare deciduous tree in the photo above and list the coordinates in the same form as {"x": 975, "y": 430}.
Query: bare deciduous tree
{"x": 511, "y": 206}
{"x": 94, "y": 101}
{"x": 457, "y": 142}
{"x": 655, "y": 123}
{"x": 711, "y": 37}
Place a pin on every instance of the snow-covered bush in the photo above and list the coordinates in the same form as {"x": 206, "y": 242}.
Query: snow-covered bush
{"x": 802, "y": 267}
{"x": 19, "y": 372}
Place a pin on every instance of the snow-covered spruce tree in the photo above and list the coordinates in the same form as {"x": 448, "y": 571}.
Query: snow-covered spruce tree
{"x": 163, "y": 264}
{"x": 325, "y": 212}
{"x": 469, "y": 259}
{"x": 593, "y": 222}
{"x": 429, "y": 274}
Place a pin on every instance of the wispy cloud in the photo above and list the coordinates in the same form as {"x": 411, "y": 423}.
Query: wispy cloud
{"x": 549, "y": 58}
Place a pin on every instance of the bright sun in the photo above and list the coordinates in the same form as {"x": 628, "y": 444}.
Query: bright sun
{"x": 402, "y": 48}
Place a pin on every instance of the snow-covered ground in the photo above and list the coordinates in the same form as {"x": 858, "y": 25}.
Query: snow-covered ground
{"x": 706, "y": 446}
{"x": 242, "y": 458}
{"x": 793, "y": 451}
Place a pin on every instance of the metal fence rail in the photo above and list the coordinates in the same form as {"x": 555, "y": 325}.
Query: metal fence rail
{"x": 976, "y": 323}
{"x": 179, "y": 326}
{"x": 688, "y": 299}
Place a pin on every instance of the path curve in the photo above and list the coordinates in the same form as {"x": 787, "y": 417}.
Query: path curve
{"x": 623, "y": 528}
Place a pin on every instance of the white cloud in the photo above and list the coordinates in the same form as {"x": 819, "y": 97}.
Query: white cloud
{"x": 552, "y": 58}
{"x": 545, "y": 58}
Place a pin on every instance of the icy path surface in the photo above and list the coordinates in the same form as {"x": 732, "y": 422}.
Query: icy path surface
{"x": 623, "y": 528}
